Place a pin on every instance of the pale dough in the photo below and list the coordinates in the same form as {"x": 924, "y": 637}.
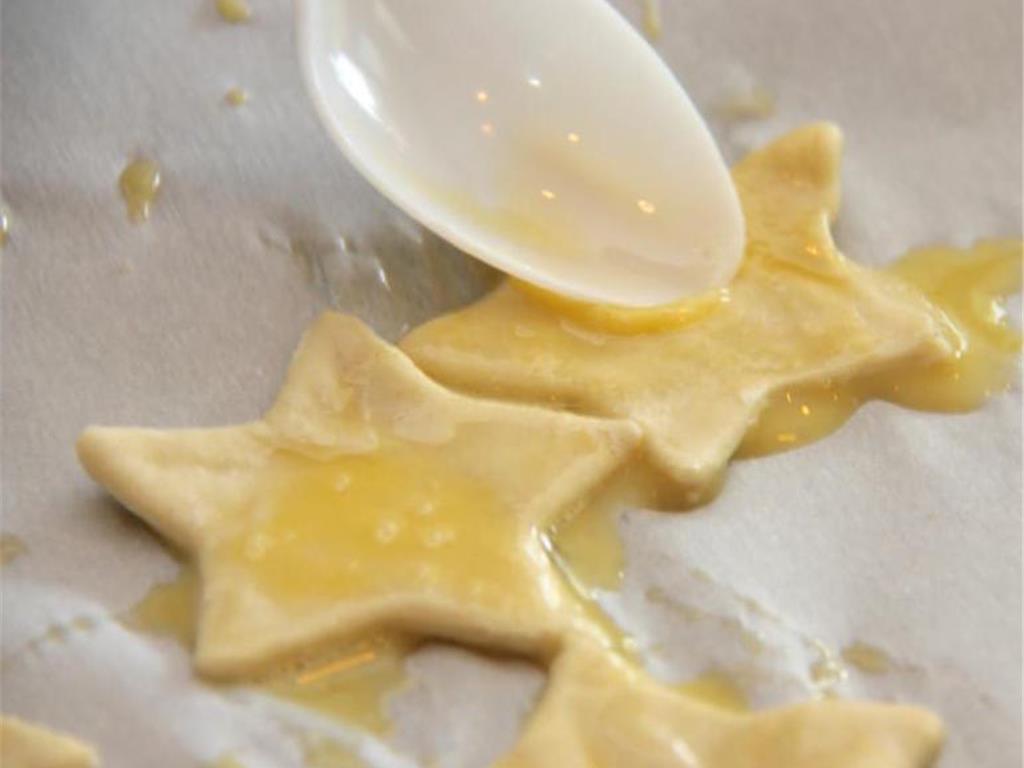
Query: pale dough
{"x": 26, "y": 745}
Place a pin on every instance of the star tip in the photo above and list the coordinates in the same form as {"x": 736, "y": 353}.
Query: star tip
{"x": 91, "y": 445}
{"x": 808, "y": 157}
{"x": 934, "y": 730}
{"x": 815, "y": 147}
{"x": 922, "y": 733}
{"x": 828, "y": 133}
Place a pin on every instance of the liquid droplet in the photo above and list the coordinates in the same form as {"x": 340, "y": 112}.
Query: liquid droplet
{"x": 11, "y": 547}
{"x": 139, "y": 183}
{"x": 5, "y": 226}
{"x": 867, "y": 658}
{"x": 236, "y": 97}
{"x": 352, "y": 686}
{"x": 828, "y": 671}
{"x": 234, "y": 11}
{"x": 331, "y": 754}
{"x": 168, "y": 609}
{"x": 752, "y": 103}
{"x": 652, "y": 19}
{"x": 226, "y": 761}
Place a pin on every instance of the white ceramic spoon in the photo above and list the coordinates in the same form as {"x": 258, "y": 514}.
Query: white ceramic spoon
{"x": 544, "y": 137}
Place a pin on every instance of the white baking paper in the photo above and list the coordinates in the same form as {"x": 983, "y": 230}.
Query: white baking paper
{"x": 903, "y": 530}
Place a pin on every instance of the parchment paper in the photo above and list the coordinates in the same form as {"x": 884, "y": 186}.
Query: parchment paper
{"x": 903, "y": 530}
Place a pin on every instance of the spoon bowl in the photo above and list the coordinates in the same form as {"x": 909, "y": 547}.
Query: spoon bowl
{"x": 547, "y": 139}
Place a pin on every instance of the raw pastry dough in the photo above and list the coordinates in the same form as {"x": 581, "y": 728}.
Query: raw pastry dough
{"x": 368, "y": 499}
{"x": 600, "y": 711}
{"x": 25, "y": 745}
{"x": 372, "y": 501}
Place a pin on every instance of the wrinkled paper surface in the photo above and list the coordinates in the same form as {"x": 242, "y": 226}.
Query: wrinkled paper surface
{"x": 902, "y": 531}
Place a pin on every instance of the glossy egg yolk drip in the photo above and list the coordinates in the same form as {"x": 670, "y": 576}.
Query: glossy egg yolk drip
{"x": 969, "y": 286}
{"x": 607, "y": 318}
{"x": 169, "y": 609}
{"x": 586, "y": 539}
{"x": 351, "y": 684}
{"x": 11, "y": 547}
{"x": 5, "y": 227}
{"x": 234, "y": 11}
{"x": 139, "y": 183}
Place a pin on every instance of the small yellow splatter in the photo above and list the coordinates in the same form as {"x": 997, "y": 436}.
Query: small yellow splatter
{"x": 236, "y": 97}
{"x": 331, "y": 754}
{"x": 139, "y": 182}
{"x": 234, "y": 11}
{"x": 11, "y": 547}
{"x": 226, "y": 761}
{"x": 866, "y": 658}
{"x": 168, "y": 609}
{"x": 828, "y": 671}
{"x": 753, "y": 103}
{"x": 5, "y": 226}
{"x": 652, "y": 19}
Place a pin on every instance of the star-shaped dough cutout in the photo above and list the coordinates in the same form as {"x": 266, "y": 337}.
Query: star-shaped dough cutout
{"x": 26, "y": 745}
{"x": 369, "y": 499}
{"x": 797, "y": 312}
{"x": 598, "y": 710}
